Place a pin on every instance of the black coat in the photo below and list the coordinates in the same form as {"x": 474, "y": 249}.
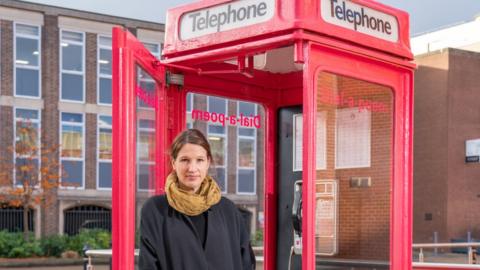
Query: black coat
{"x": 169, "y": 240}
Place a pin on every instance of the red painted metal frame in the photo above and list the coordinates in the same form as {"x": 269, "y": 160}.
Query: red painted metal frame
{"x": 292, "y": 14}
{"x": 127, "y": 54}
{"x": 400, "y": 80}
{"x": 321, "y": 46}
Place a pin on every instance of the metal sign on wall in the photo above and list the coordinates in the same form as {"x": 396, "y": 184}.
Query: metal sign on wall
{"x": 472, "y": 152}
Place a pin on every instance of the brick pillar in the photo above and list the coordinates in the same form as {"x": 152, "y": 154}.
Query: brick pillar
{"x": 90, "y": 151}
{"x": 6, "y": 85}
{"x": 91, "y": 68}
{"x": 50, "y": 116}
{"x": 6, "y": 58}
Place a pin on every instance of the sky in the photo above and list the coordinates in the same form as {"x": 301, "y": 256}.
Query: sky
{"x": 425, "y": 15}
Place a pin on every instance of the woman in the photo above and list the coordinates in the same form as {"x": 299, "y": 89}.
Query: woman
{"x": 192, "y": 227}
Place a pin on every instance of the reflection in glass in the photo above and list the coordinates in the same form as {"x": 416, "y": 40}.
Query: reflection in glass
{"x": 353, "y": 185}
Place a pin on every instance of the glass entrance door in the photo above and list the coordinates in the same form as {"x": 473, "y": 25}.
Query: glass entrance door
{"x": 353, "y": 175}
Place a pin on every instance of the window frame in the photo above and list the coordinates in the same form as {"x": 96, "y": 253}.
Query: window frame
{"x": 225, "y": 144}
{"x": 28, "y": 67}
{"x": 99, "y": 74}
{"x": 254, "y": 141}
{"x": 60, "y": 62}
{"x": 98, "y": 152}
{"x": 39, "y": 122}
{"x": 61, "y": 159}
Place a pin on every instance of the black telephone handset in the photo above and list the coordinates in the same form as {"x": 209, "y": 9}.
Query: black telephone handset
{"x": 297, "y": 207}
{"x": 297, "y": 218}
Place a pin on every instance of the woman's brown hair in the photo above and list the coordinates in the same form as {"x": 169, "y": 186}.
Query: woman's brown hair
{"x": 192, "y": 136}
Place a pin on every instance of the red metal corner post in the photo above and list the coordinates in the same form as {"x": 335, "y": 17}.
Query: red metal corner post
{"x": 124, "y": 153}
{"x": 309, "y": 164}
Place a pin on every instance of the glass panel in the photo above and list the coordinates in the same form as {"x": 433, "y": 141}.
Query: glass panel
{"x": 354, "y": 131}
{"x": 27, "y": 51}
{"x": 26, "y": 169}
{"x": 23, "y": 29}
{"x": 105, "y": 144}
{"x": 246, "y": 109}
{"x": 246, "y": 181}
{"x": 72, "y": 36}
{"x": 72, "y": 57}
{"x": 72, "y": 117}
{"x": 72, "y": 135}
{"x": 217, "y": 105}
{"x": 153, "y": 48}
{"x": 237, "y": 150}
{"x": 146, "y": 154}
{"x": 72, "y": 87}
{"x": 105, "y": 175}
{"x": 105, "y": 62}
{"x": 217, "y": 145}
{"x": 27, "y": 138}
{"x": 73, "y": 173}
{"x": 246, "y": 152}
{"x": 214, "y": 129}
{"x": 105, "y": 90}
{"x": 146, "y": 90}
{"x": 27, "y": 82}
{"x": 146, "y": 176}
{"x": 72, "y": 141}
{"x": 27, "y": 114}
{"x": 105, "y": 41}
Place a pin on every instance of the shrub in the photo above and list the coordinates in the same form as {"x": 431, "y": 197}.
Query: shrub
{"x": 54, "y": 245}
{"x": 12, "y": 245}
{"x": 95, "y": 239}
{"x": 257, "y": 239}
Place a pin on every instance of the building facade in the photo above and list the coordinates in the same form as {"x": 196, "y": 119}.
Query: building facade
{"x": 447, "y": 120}
{"x": 57, "y": 76}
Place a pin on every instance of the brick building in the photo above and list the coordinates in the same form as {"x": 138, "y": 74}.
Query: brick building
{"x": 447, "y": 118}
{"x": 56, "y": 73}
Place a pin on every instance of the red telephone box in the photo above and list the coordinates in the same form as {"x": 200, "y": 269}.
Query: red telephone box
{"x": 332, "y": 85}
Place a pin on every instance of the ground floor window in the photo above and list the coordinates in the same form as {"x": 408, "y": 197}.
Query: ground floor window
{"x": 11, "y": 219}
{"x": 87, "y": 217}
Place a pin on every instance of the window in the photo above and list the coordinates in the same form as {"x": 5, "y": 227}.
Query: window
{"x": 154, "y": 48}
{"x": 189, "y": 110}
{"x": 104, "y": 152}
{"x": 104, "y": 67}
{"x": 27, "y": 144}
{"x": 72, "y": 68}
{"x": 86, "y": 217}
{"x": 246, "y": 151}
{"x": 27, "y": 60}
{"x": 217, "y": 136}
{"x": 146, "y": 154}
{"x": 72, "y": 149}
{"x": 11, "y": 218}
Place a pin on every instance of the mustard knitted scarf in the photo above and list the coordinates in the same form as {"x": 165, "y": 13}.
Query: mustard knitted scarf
{"x": 192, "y": 204}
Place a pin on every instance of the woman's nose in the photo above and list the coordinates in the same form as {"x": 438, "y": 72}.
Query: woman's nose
{"x": 192, "y": 166}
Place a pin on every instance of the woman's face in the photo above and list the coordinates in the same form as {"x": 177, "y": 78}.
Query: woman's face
{"x": 191, "y": 166}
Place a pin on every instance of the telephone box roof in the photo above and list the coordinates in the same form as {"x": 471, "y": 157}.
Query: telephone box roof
{"x": 212, "y": 24}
